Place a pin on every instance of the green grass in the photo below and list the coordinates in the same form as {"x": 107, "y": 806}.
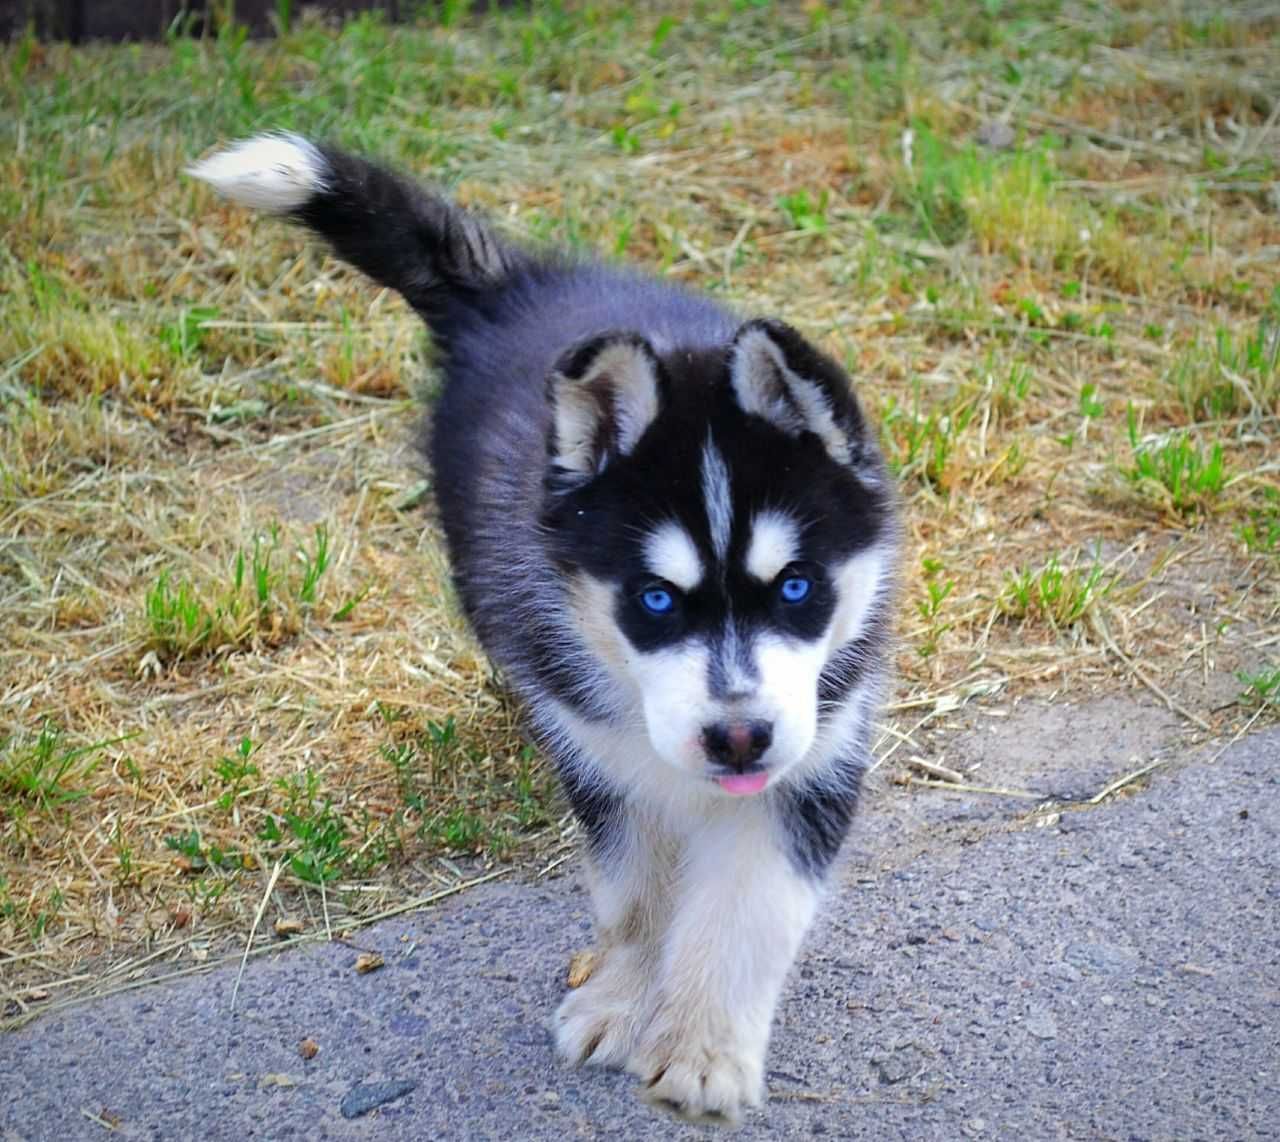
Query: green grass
{"x": 1261, "y": 687}
{"x": 47, "y": 772}
{"x": 1176, "y": 471}
{"x": 1057, "y": 594}
{"x": 921, "y": 441}
{"x": 263, "y": 596}
{"x": 1231, "y": 373}
{"x": 1261, "y": 534}
{"x": 186, "y": 389}
{"x": 449, "y": 798}
{"x": 308, "y": 831}
{"x": 804, "y": 211}
{"x": 483, "y": 816}
{"x": 937, "y": 588}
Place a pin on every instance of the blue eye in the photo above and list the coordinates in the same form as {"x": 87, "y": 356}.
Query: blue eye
{"x": 657, "y": 601}
{"x": 795, "y": 589}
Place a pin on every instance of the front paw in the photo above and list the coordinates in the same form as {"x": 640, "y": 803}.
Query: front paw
{"x": 701, "y": 1077}
{"x": 599, "y": 1022}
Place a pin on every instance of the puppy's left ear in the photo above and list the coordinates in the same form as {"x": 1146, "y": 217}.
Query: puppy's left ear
{"x": 776, "y": 374}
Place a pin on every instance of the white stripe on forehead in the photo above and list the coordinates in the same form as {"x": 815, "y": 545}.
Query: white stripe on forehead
{"x": 715, "y": 491}
{"x": 734, "y": 663}
{"x": 671, "y": 555}
{"x": 775, "y": 542}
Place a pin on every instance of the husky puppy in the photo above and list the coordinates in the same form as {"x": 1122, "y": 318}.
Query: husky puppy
{"x": 673, "y": 531}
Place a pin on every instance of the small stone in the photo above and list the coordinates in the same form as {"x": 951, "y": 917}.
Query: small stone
{"x": 288, "y": 926}
{"x": 364, "y": 1097}
{"x": 1042, "y": 1025}
{"x": 1108, "y": 958}
{"x": 308, "y": 1048}
{"x": 995, "y": 134}
{"x": 280, "y": 1080}
{"x": 367, "y": 962}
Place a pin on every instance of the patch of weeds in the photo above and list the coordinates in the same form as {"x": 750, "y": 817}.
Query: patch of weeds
{"x": 921, "y": 444}
{"x": 938, "y": 178}
{"x": 1009, "y": 202}
{"x": 404, "y": 759}
{"x": 805, "y": 213}
{"x": 1012, "y": 392}
{"x": 424, "y": 762}
{"x": 351, "y": 602}
{"x": 264, "y": 598}
{"x": 457, "y": 797}
{"x": 197, "y": 856}
{"x": 647, "y": 117}
{"x": 308, "y": 831}
{"x": 185, "y": 336}
{"x": 1261, "y": 535}
{"x": 879, "y": 78}
{"x": 235, "y": 772}
{"x": 936, "y": 590}
{"x": 532, "y": 789}
{"x": 176, "y": 619}
{"x": 1233, "y": 374}
{"x": 661, "y": 31}
{"x": 206, "y": 891}
{"x": 1261, "y": 687}
{"x": 315, "y": 562}
{"x": 1174, "y": 471}
{"x": 32, "y": 916}
{"x": 1091, "y": 408}
{"x": 39, "y": 773}
{"x": 1057, "y": 594}
{"x": 127, "y": 873}
{"x": 44, "y": 916}
{"x": 460, "y": 829}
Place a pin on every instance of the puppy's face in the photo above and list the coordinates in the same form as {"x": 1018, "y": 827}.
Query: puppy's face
{"x": 726, "y": 527}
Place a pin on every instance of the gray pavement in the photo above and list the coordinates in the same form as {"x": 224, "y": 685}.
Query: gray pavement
{"x": 1111, "y": 974}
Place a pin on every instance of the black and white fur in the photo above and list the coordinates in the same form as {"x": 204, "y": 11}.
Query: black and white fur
{"x": 635, "y": 486}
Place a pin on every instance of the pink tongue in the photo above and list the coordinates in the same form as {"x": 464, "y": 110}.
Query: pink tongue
{"x": 743, "y": 784}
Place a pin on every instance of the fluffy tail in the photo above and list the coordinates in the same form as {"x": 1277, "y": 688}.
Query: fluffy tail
{"x": 399, "y": 233}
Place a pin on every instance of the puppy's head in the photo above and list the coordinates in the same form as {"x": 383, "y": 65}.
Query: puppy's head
{"x": 725, "y": 521}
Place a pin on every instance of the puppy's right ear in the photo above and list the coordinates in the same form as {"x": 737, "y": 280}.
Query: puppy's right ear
{"x": 604, "y": 393}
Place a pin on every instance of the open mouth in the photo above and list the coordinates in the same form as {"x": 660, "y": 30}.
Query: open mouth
{"x": 743, "y": 784}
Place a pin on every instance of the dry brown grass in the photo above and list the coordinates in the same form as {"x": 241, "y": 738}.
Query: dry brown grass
{"x": 178, "y": 379}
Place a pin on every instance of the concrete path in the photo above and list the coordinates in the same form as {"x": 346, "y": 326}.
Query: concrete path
{"x": 1113, "y": 973}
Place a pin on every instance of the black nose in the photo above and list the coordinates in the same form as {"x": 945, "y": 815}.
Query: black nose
{"x": 736, "y": 744}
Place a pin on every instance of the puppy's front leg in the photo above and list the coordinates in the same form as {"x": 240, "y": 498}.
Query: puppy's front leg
{"x": 741, "y": 910}
{"x": 630, "y": 870}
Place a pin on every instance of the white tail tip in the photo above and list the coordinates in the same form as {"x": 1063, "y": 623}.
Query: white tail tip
{"x": 275, "y": 173}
